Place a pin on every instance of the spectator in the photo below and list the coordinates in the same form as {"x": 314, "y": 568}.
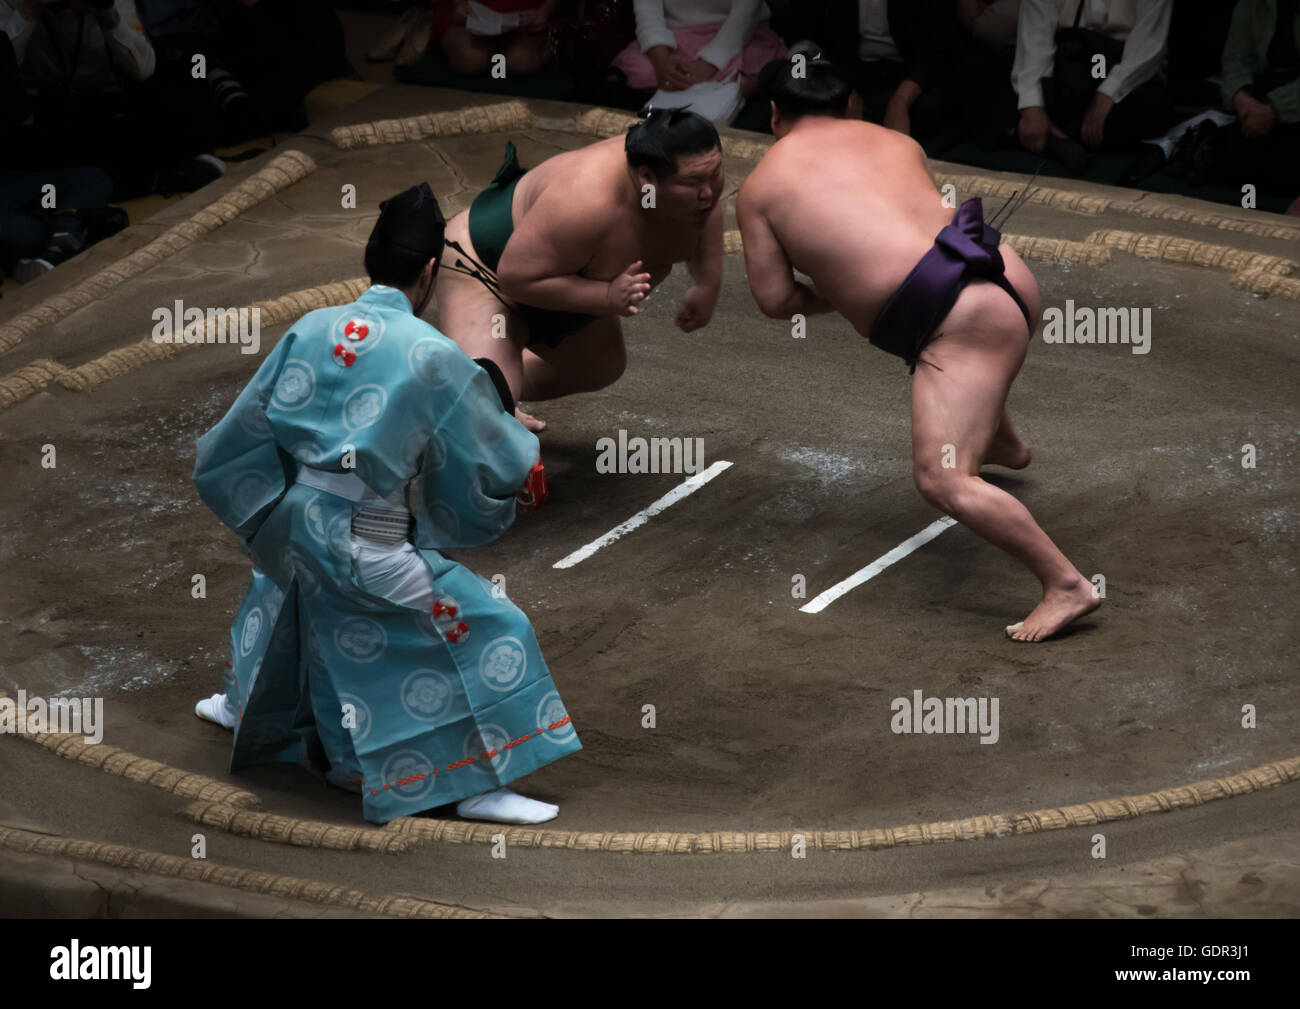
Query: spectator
{"x": 47, "y": 217}
{"x": 1058, "y": 42}
{"x": 86, "y": 64}
{"x": 407, "y": 38}
{"x": 182, "y": 29}
{"x": 261, "y": 59}
{"x": 1052, "y": 103}
{"x": 986, "y": 68}
{"x": 1261, "y": 85}
{"x": 78, "y": 43}
{"x": 900, "y": 54}
{"x": 680, "y": 43}
{"x": 470, "y": 52}
{"x": 280, "y": 50}
{"x": 15, "y": 105}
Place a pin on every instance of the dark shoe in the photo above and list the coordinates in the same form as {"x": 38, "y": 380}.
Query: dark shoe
{"x": 194, "y": 174}
{"x": 102, "y": 222}
{"x": 1072, "y": 155}
{"x": 66, "y": 240}
{"x": 1149, "y": 160}
{"x": 240, "y": 120}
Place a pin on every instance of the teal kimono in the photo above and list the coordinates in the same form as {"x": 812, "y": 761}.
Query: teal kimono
{"x": 413, "y": 708}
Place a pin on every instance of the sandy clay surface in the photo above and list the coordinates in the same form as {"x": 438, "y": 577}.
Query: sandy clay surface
{"x": 767, "y": 718}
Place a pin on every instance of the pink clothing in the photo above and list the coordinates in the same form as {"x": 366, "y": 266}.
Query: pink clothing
{"x": 762, "y": 46}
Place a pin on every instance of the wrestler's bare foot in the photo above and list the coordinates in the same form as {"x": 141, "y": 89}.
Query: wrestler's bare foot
{"x": 1006, "y": 449}
{"x": 529, "y": 421}
{"x": 1059, "y": 607}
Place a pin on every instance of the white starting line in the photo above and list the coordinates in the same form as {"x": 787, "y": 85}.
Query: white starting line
{"x": 878, "y": 565}
{"x": 685, "y": 489}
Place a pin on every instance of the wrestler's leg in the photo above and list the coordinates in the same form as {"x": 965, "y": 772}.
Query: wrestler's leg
{"x": 1006, "y": 447}
{"x": 585, "y": 361}
{"x": 471, "y": 315}
{"x": 955, "y": 414}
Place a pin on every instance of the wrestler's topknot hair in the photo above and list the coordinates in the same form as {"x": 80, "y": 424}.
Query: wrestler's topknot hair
{"x": 823, "y": 89}
{"x": 666, "y": 135}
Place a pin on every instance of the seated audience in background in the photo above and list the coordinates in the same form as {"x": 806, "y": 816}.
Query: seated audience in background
{"x": 1055, "y": 102}
{"x": 469, "y": 51}
{"x": 47, "y": 214}
{"x": 901, "y": 55}
{"x": 261, "y": 58}
{"x": 680, "y": 43}
{"x": 1261, "y": 86}
{"x": 86, "y": 66}
{"x": 42, "y": 227}
{"x": 989, "y": 54}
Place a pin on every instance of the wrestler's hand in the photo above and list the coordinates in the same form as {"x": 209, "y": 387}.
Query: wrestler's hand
{"x": 1034, "y": 127}
{"x": 1094, "y": 122}
{"x": 628, "y": 290}
{"x": 696, "y": 308}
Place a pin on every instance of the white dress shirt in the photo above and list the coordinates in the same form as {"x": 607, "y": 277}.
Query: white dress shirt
{"x": 1143, "y": 26}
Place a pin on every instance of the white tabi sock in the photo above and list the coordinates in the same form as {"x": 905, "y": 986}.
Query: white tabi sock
{"x": 505, "y": 806}
{"x": 217, "y": 709}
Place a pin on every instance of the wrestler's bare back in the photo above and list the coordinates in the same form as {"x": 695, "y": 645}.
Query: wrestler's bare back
{"x": 857, "y": 220}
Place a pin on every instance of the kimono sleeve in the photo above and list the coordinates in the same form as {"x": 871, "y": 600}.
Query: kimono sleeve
{"x": 477, "y": 460}
{"x": 238, "y": 470}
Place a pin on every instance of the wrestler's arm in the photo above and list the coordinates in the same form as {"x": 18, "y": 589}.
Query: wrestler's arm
{"x": 541, "y": 262}
{"x": 705, "y": 268}
{"x": 771, "y": 277}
